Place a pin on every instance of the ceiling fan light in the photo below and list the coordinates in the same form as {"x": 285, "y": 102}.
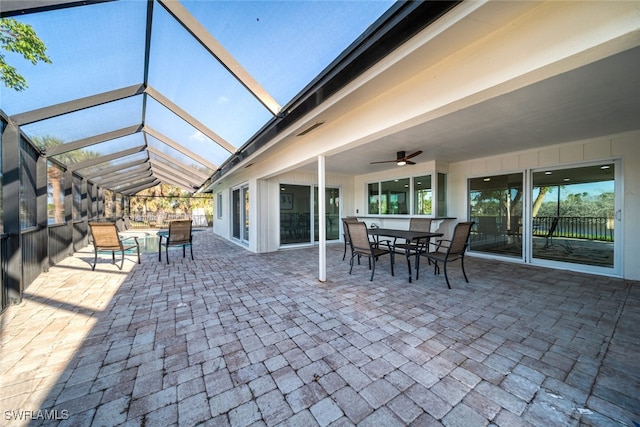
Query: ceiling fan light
{"x": 401, "y": 162}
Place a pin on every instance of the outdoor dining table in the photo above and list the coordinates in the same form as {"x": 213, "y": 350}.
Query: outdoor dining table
{"x": 408, "y": 236}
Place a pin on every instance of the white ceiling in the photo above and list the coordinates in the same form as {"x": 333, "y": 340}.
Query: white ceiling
{"x": 598, "y": 99}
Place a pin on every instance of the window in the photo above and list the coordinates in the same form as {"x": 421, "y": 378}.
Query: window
{"x": 422, "y": 195}
{"x": 219, "y": 205}
{"x": 394, "y": 197}
{"x": 442, "y": 194}
{"x": 374, "y": 199}
{"x": 55, "y": 194}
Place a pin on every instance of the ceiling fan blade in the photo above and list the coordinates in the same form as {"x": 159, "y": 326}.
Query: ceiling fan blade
{"x": 409, "y": 162}
{"x": 413, "y": 154}
{"x": 385, "y": 161}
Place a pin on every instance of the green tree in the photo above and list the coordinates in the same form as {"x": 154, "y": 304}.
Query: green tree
{"x": 20, "y": 38}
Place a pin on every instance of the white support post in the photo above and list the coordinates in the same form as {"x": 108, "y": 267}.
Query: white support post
{"x": 322, "y": 221}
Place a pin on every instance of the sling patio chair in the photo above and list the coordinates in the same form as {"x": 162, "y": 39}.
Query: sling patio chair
{"x": 447, "y": 251}
{"x": 106, "y": 239}
{"x": 362, "y": 246}
{"x": 345, "y": 234}
{"x": 179, "y": 235}
{"x": 415, "y": 247}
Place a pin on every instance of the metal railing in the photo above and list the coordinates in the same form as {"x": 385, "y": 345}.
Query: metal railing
{"x": 162, "y": 221}
{"x": 4, "y": 286}
{"x": 34, "y": 253}
{"x": 589, "y": 227}
{"x": 59, "y": 242}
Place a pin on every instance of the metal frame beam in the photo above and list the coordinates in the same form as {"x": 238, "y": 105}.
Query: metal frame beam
{"x": 177, "y": 163}
{"x": 168, "y": 141}
{"x": 130, "y": 175}
{"x": 133, "y": 191}
{"x": 174, "y": 180}
{"x": 76, "y": 105}
{"x": 22, "y": 7}
{"x": 107, "y": 158}
{"x": 150, "y": 183}
{"x": 96, "y": 175}
{"x": 201, "y": 34}
{"x": 157, "y": 166}
{"x": 93, "y": 140}
{"x": 167, "y": 103}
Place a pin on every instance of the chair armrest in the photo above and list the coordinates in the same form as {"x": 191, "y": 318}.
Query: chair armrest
{"x": 440, "y": 243}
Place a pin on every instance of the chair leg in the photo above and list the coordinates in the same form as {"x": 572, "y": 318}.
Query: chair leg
{"x": 183, "y": 251}
{"x": 191, "y": 249}
{"x": 373, "y": 270}
{"x": 345, "y": 251}
{"x": 113, "y": 257}
{"x": 166, "y": 249}
{"x": 463, "y": 272}
{"x": 393, "y": 260}
{"x": 122, "y": 262}
{"x": 95, "y": 260}
{"x": 445, "y": 274}
{"x": 351, "y": 263}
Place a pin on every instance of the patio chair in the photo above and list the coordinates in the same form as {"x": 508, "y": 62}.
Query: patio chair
{"x": 179, "y": 235}
{"x": 345, "y": 234}
{"x": 362, "y": 246}
{"x": 411, "y": 248}
{"x": 447, "y": 251}
{"x": 106, "y": 238}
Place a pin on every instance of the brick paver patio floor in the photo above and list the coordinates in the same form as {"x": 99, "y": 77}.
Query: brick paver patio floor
{"x": 240, "y": 339}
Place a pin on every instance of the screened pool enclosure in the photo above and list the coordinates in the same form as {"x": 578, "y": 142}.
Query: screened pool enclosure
{"x": 143, "y": 93}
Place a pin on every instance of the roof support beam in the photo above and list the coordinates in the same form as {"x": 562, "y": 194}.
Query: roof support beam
{"x": 96, "y": 175}
{"x": 107, "y": 158}
{"x": 162, "y": 174}
{"x": 168, "y": 141}
{"x": 23, "y": 7}
{"x": 133, "y": 180}
{"x": 133, "y": 191}
{"x": 76, "y": 105}
{"x": 159, "y": 167}
{"x": 97, "y": 139}
{"x": 178, "y": 164}
{"x": 174, "y": 181}
{"x": 216, "y": 49}
{"x": 124, "y": 177}
{"x": 190, "y": 119}
{"x": 134, "y": 188}
{"x": 126, "y": 185}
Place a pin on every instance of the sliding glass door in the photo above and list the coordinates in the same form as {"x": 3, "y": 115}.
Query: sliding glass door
{"x": 240, "y": 206}
{"x": 299, "y": 214}
{"x": 561, "y": 217}
{"x": 574, "y": 215}
{"x": 495, "y": 204}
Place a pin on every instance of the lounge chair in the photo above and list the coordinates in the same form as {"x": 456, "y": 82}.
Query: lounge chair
{"x": 106, "y": 238}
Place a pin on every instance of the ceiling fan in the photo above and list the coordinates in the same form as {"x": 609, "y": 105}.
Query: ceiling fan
{"x": 401, "y": 158}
